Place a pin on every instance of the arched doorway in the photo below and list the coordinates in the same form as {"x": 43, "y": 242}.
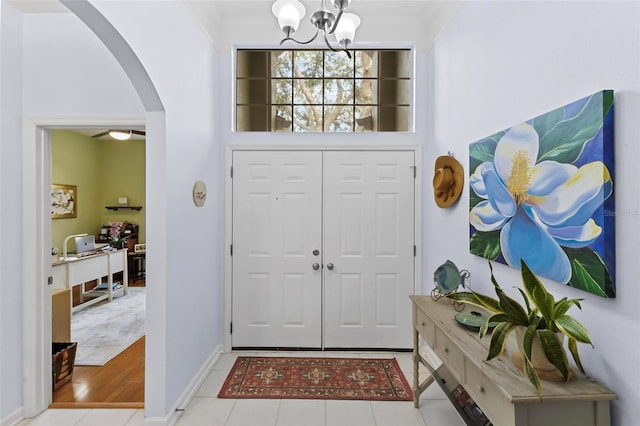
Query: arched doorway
{"x": 37, "y": 362}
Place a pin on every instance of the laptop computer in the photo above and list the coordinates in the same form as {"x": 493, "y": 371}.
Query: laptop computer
{"x": 85, "y": 244}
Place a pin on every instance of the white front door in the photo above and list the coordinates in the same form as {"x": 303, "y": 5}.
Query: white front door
{"x": 368, "y": 248}
{"x": 348, "y": 213}
{"x": 277, "y": 219}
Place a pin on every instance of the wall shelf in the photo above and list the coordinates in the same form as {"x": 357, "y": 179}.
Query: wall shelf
{"x": 123, "y": 207}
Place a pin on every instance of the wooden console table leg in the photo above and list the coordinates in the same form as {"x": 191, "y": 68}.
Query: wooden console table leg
{"x": 416, "y": 366}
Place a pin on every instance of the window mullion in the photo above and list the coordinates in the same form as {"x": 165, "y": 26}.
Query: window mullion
{"x": 381, "y": 76}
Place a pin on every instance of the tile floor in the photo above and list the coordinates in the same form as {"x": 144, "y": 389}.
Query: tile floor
{"x": 207, "y": 410}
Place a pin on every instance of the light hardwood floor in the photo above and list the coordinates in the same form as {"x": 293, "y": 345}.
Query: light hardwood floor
{"x": 117, "y": 384}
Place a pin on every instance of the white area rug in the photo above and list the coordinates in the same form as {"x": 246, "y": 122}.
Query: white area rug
{"x": 106, "y": 329}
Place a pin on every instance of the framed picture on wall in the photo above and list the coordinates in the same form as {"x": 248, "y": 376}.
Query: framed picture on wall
{"x": 543, "y": 191}
{"x": 64, "y": 201}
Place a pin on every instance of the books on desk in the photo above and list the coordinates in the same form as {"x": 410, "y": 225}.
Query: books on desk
{"x": 105, "y": 286}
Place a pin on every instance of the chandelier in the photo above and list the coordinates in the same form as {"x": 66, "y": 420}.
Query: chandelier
{"x": 343, "y": 25}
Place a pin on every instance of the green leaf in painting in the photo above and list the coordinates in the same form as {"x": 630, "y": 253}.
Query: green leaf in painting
{"x": 474, "y": 200}
{"x": 544, "y": 123}
{"x": 485, "y": 244}
{"x": 483, "y": 150}
{"x": 589, "y": 272}
{"x": 565, "y": 142}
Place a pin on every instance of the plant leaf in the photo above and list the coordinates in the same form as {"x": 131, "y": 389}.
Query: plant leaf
{"x": 573, "y": 348}
{"x": 499, "y": 317}
{"x": 543, "y": 301}
{"x": 499, "y": 339}
{"x": 562, "y": 306}
{"x": 526, "y": 300}
{"x": 573, "y": 329}
{"x": 508, "y": 305}
{"x": 476, "y": 299}
{"x": 512, "y": 308}
{"x": 527, "y": 340}
{"x": 554, "y": 351}
{"x": 531, "y": 374}
{"x": 485, "y": 244}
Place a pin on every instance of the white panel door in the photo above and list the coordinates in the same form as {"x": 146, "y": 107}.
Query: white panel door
{"x": 368, "y": 248}
{"x": 277, "y": 219}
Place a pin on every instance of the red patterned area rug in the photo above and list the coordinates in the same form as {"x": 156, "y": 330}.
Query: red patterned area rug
{"x": 316, "y": 378}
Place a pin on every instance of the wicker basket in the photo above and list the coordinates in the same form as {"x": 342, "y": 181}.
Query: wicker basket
{"x": 64, "y": 356}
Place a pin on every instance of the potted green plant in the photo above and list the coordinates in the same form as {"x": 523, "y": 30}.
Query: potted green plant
{"x": 542, "y": 317}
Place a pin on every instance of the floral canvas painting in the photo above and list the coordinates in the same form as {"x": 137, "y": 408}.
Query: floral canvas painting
{"x": 542, "y": 190}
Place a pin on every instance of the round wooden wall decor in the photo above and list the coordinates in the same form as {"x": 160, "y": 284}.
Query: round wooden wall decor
{"x": 199, "y": 193}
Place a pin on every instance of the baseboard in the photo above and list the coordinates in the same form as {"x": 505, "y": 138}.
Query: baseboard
{"x": 188, "y": 394}
{"x": 13, "y": 418}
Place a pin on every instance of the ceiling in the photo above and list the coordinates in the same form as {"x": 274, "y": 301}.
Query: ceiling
{"x": 232, "y": 22}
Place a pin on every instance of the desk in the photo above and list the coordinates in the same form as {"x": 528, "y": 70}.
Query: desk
{"x": 77, "y": 271}
{"x": 498, "y": 388}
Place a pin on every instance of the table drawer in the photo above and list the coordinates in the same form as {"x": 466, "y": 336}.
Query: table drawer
{"x": 117, "y": 261}
{"x": 425, "y": 327}
{"x": 488, "y": 396}
{"x": 450, "y": 354}
{"x": 87, "y": 269}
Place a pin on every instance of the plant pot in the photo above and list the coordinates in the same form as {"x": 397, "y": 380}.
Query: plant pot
{"x": 539, "y": 359}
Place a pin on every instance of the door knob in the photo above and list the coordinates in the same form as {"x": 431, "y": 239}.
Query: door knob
{"x": 330, "y": 266}
{"x": 316, "y": 252}
{"x": 316, "y": 266}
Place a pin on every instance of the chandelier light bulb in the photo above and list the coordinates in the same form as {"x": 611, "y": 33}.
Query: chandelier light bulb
{"x": 343, "y": 25}
{"x": 289, "y": 14}
{"x": 346, "y": 30}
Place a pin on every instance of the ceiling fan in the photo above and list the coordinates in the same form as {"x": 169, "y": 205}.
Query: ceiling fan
{"x": 120, "y": 134}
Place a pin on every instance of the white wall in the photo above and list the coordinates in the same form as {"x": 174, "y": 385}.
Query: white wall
{"x": 496, "y": 64}
{"x": 70, "y": 74}
{"x": 180, "y": 60}
{"x": 10, "y": 214}
{"x": 500, "y": 63}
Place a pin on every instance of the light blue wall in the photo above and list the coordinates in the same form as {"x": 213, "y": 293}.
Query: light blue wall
{"x": 11, "y": 350}
{"x": 496, "y": 64}
{"x": 501, "y": 63}
{"x": 184, "y": 315}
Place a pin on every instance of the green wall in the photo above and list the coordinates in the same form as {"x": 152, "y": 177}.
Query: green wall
{"x": 103, "y": 171}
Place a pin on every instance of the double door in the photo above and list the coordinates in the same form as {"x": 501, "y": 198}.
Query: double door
{"x": 323, "y": 249}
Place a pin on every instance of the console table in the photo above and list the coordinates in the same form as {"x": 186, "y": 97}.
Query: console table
{"x": 73, "y": 271}
{"x": 498, "y": 388}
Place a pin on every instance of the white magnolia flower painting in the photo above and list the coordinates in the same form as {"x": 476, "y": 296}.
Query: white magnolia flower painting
{"x": 542, "y": 191}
